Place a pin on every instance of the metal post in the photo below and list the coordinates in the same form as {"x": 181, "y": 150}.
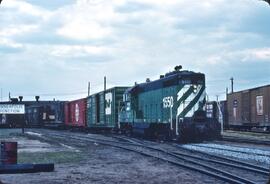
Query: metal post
{"x": 23, "y": 122}
{"x": 88, "y": 88}
{"x": 232, "y": 83}
{"x": 119, "y": 115}
{"x": 105, "y": 83}
{"x": 104, "y": 94}
{"x": 171, "y": 117}
{"x": 176, "y": 126}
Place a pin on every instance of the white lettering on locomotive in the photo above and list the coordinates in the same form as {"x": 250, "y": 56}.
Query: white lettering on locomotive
{"x": 168, "y": 102}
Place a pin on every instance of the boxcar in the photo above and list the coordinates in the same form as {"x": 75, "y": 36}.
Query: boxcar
{"x": 75, "y": 113}
{"x": 44, "y": 113}
{"x": 37, "y": 114}
{"x": 103, "y": 108}
{"x": 249, "y": 108}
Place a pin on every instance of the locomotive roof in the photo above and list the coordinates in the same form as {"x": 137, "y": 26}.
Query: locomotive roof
{"x": 169, "y": 79}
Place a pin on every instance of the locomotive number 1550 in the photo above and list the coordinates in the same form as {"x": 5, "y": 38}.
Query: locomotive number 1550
{"x": 168, "y": 102}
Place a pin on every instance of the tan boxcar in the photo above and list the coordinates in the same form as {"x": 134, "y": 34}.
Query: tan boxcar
{"x": 250, "y": 108}
{"x": 260, "y": 106}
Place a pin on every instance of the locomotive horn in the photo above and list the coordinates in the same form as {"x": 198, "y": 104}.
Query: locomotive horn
{"x": 178, "y": 68}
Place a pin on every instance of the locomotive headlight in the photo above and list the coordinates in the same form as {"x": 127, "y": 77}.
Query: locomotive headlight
{"x": 195, "y": 89}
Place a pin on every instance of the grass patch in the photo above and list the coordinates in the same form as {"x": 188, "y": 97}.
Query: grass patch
{"x": 51, "y": 157}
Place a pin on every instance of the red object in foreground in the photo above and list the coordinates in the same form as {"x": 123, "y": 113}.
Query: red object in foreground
{"x": 9, "y": 152}
{"x": 75, "y": 113}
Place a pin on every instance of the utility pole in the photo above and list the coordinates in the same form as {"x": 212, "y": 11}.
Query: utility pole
{"x": 227, "y": 92}
{"x": 1, "y": 94}
{"x": 104, "y": 83}
{"x": 232, "y": 83}
{"x": 9, "y": 96}
{"x": 88, "y": 88}
{"x": 104, "y": 97}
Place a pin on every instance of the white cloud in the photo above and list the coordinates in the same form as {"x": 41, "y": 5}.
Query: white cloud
{"x": 25, "y": 8}
{"x": 17, "y": 30}
{"x": 81, "y": 30}
{"x": 9, "y": 43}
{"x": 263, "y": 54}
{"x": 87, "y": 20}
{"x": 258, "y": 54}
{"x": 76, "y": 50}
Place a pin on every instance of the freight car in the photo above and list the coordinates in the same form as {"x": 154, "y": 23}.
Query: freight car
{"x": 75, "y": 113}
{"x": 171, "y": 107}
{"x": 103, "y": 109}
{"x": 44, "y": 114}
{"x": 37, "y": 114}
{"x": 249, "y": 109}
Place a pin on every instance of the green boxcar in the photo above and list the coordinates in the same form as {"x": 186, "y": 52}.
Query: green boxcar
{"x": 103, "y": 108}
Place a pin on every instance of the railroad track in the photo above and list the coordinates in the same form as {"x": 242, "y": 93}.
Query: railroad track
{"x": 175, "y": 157}
{"x": 245, "y": 140}
{"x": 234, "y": 149}
{"x": 226, "y": 159}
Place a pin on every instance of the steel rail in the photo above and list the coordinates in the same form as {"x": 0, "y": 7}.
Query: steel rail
{"x": 235, "y": 151}
{"x": 242, "y": 140}
{"x": 226, "y": 159}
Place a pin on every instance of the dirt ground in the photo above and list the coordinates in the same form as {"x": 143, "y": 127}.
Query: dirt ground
{"x": 93, "y": 163}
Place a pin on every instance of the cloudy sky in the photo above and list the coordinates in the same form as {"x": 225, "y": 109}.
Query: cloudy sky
{"x": 53, "y": 48}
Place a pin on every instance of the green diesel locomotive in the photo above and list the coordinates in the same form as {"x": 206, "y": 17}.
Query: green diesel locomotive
{"x": 172, "y": 107}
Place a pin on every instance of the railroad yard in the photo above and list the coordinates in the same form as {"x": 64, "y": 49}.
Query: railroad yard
{"x": 134, "y": 92}
{"x": 106, "y": 158}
